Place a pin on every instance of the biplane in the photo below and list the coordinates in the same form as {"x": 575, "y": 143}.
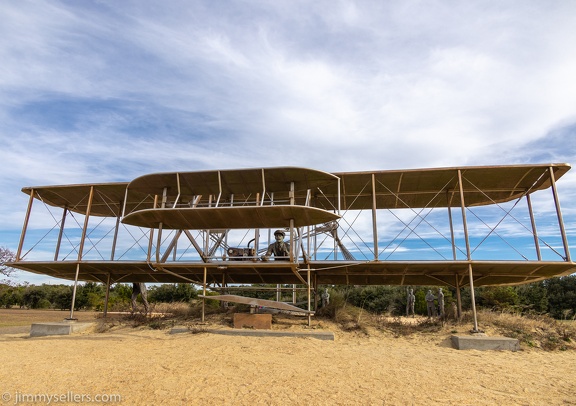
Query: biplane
{"x": 439, "y": 226}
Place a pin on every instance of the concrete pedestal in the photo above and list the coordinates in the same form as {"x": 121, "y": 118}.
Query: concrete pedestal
{"x": 57, "y": 329}
{"x": 320, "y": 335}
{"x": 483, "y": 343}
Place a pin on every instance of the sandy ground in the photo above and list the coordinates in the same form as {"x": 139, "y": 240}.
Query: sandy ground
{"x": 146, "y": 366}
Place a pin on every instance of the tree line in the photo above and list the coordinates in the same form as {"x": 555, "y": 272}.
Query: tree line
{"x": 89, "y": 295}
{"x": 556, "y": 296}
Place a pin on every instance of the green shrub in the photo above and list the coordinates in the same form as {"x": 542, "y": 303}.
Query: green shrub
{"x": 43, "y": 304}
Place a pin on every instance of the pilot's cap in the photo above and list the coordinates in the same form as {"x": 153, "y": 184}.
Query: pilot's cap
{"x": 280, "y": 232}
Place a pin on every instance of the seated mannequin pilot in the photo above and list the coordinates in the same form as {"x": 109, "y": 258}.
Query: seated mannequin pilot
{"x": 279, "y": 248}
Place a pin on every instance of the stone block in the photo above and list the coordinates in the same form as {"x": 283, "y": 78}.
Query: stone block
{"x": 320, "y": 335}
{"x": 483, "y": 343}
{"x": 56, "y": 329}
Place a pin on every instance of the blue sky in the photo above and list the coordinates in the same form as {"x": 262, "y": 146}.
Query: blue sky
{"x": 102, "y": 91}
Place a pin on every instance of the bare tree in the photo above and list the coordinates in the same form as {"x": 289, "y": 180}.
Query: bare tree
{"x": 6, "y": 256}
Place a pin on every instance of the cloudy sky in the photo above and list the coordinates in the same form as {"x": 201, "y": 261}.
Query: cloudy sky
{"x": 101, "y": 91}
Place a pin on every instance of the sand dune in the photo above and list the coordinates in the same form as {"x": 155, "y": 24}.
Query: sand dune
{"x": 146, "y": 366}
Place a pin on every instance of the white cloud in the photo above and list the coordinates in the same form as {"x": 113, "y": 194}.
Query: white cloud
{"x": 109, "y": 91}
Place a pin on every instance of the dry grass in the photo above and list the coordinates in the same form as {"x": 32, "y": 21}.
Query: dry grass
{"x": 538, "y": 332}
{"x": 533, "y": 331}
{"x": 162, "y": 316}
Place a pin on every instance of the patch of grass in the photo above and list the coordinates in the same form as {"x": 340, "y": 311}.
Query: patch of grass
{"x": 179, "y": 310}
{"x": 164, "y": 316}
{"x": 533, "y": 331}
{"x": 103, "y": 325}
{"x": 404, "y": 327}
{"x": 197, "y": 330}
{"x": 536, "y": 331}
{"x": 158, "y": 324}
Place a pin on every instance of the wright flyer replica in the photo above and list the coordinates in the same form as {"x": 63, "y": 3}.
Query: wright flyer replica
{"x": 456, "y": 227}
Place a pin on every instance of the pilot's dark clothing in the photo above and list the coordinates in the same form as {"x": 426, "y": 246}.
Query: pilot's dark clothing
{"x": 279, "y": 249}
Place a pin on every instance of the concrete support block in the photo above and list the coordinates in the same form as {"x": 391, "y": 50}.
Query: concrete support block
{"x": 57, "y": 329}
{"x": 256, "y": 321}
{"x": 320, "y": 335}
{"x": 483, "y": 343}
